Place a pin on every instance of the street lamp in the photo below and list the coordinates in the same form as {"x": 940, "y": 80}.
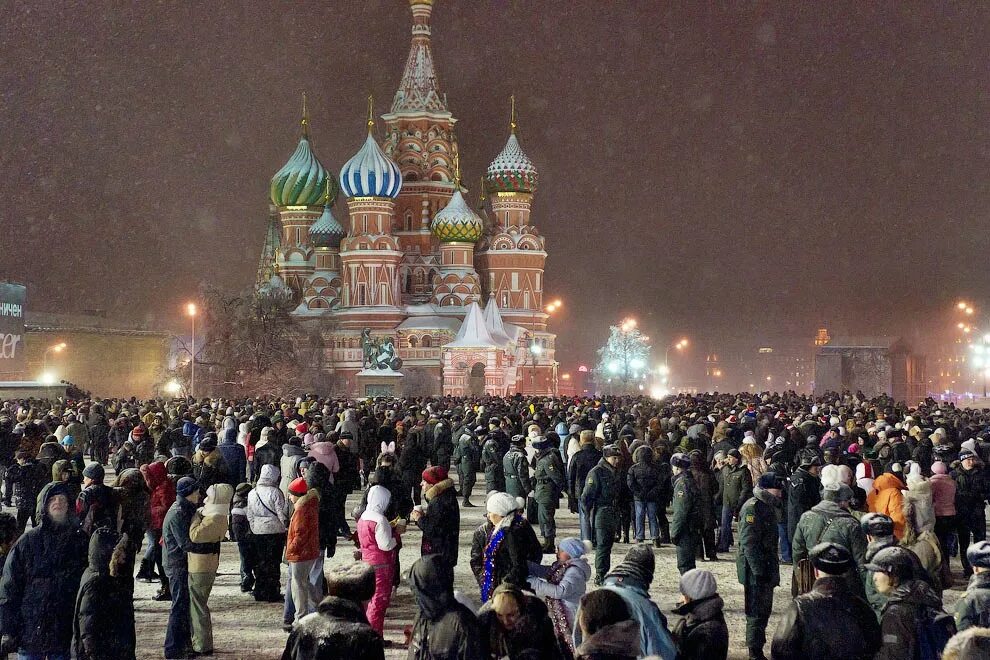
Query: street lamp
{"x": 681, "y": 345}
{"x": 191, "y": 311}
{"x": 54, "y": 348}
{"x": 534, "y": 348}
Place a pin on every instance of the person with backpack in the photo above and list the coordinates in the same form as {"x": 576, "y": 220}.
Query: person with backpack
{"x": 97, "y": 505}
{"x": 830, "y": 520}
{"x": 973, "y": 607}
{"x": 913, "y": 624}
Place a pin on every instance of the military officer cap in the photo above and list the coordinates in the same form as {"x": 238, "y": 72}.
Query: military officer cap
{"x": 877, "y": 524}
{"x": 978, "y": 554}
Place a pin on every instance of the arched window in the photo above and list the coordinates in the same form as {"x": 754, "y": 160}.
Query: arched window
{"x": 427, "y": 341}
{"x": 413, "y": 342}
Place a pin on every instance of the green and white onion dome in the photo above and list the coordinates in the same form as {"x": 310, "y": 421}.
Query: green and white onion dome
{"x": 303, "y": 180}
{"x": 326, "y": 232}
{"x": 457, "y": 222}
{"x": 512, "y": 170}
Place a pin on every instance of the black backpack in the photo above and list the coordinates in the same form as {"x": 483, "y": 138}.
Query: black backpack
{"x": 935, "y": 628}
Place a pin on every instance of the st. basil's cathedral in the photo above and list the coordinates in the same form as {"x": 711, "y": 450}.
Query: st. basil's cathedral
{"x": 456, "y": 293}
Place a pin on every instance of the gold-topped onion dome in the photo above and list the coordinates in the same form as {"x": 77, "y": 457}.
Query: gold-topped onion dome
{"x": 303, "y": 181}
{"x": 326, "y": 232}
{"x": 512, "y": 170}
{"x": 456, "y": 222}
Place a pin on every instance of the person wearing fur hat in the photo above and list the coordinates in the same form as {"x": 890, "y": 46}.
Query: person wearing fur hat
{"x": 944, "y": 503}
{"x": 467, "y": 458}
{"x": 339, "y": 629}
{"x": 549, "y": 482}
{"x": 808, "y": 628}
{"x": 439, "y": 517}
{"x": 302, "y": 548}
{"x": 736, "y": 486}
{"x": 97, "y": 505}
{"x": 103, "y": 625}
{"x": 208, "y": 465}
{"x": 600, "y": 498}
{"x": 444, "y": 628}
{"x": 510, "y": 547}
{"x": 830, "y": 520}
{"x": 756, "y": 563}
{"x": 587, "y": 457}
{"x": 701, "y": 634}
{"x": 972, "y": 491}
{"x": 973, "y": 607}
{"x": 687, "y": 518}
{"x": 631, "y": 581}
{"x": 562, "y": 584}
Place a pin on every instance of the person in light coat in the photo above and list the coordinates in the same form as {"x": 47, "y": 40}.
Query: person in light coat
{"x": 209, "y": 526}
{"x": 267, "y": 516}
{"x": 562, "y": 584}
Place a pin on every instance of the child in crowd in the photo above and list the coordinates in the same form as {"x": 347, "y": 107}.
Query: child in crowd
{"x": 378, "y": 539}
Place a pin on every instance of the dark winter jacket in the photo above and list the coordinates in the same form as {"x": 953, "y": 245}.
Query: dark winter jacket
{"x": 973, "y": 608}
{"x": 414, "y": 456}
{"x": 266, "y": 452}
{"x": 516, "y": 470}
{"x": 318, "y": 477}
{"x": 827, "y": 623}
{"x": 491, "y": 461}
{"x": 135, "y": 506}
{"x": 479, "y": 540}
{"x": 972, "y": 491}
{"x": 444, "y": 629}
{"x": 601, "y": 488}
{"x": 687, "y": 518}
{"x": 27, "y": 481}
{"x": 40, "y": 581}
{"x": 532, "y": 635}
{"x": 829, "y": 522}
{"x": 643, "y": 478}
{"x": 581, "y": 464}
{"x": 616, "y": 641}
{"x": 162, "y": 492}
{"x": 103, "y": 626}
{"x": 234, "y": 458}
{"x": 443, "y": 445}
{"x": 756, "y": 562}
{"x": 467, "y": 459}
{"x": 209, "y": 468}
{"x": 908, "y": 603}
{"x": 519, "y": 547}
{"x": 400, "y": 503}
{"x": 441, "y": 521}
{"x": 175, "y": 537}
{"x": 803, "y": 492}
{"x": 338, "y": 630}
{"x": 736, "y": 486}
{"x": 702, "y": 633}
{"x": 548, "y": 478}
{"x": 98, "y": 506}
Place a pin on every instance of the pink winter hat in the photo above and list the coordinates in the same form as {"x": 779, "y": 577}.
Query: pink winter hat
{"x": 938, "y": 467}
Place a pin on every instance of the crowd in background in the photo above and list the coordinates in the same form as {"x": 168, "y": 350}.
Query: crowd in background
{"x": 869, "y": 500}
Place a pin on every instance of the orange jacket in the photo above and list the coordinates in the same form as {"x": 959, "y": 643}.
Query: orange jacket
{"x": 886, "y": 498}
{"x": 303, "y": 542}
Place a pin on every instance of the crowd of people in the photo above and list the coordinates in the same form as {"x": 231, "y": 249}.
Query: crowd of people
{"x": 868, "y": 500}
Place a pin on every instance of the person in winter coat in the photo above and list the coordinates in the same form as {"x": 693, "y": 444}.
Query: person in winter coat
{"x": 491, "y": 462}
{"x": 440, "y": 517}
{"x": 346, "y": 481}
{"x": 607, "y": 626}
{"x": 208, "y": 465}
{"x": 234, "y": 455}
{"x": 444, "y": 629}
{"x": 325, "y": 451}
{"x": 103, "y": 625}
{"x": 292, "y": 454}
{"x": 41, "y": 579}
{"x": 443, "y": 445}
{"x": 830, "y": 520}
{"x": 240, "y": 532}
{"x": 135, "y": 515}
{"x": 413, "y": 459}
{"x": 549, "y": 482}
{"x": 162, "y": 495}
{"x": 600, "y": 498}
{"x": 631, "y": 580}
{"x": 26, "y": 478}
{"x": 207, "y": 530}
{"x": 944, "y": 502}
{"x": 266, "y": 452}
{"x": 125, "y": 458}
{"x": 318, "y": 478}
{"x": 266, "y": 514}
{"x": 479, "y": 541}
{"x": 515, "y": 465}
{"x": 510, "y": 547}
{"x": 643, "y": 480}
{"x": 887, "y": 498}
{"x": 808, "y": 628}
{"x": 97, "y": 505}
{"x": 908, "y": 601}
{"x": 65, "y": 471}
{"x": 302, "y": 548}
{"x": 804, "y": 491}
{"x": 735, "y": 489}
{"x": 467, "y": 458}
{"x": 967, "y": 644}
{"x": 577, "y": 474}
{"x": 339, "y": 629}
{"x": 8, "y": 534}
{"x": 756, "y": 564}
{"x": 701, "y": 634}
{"x": 562, "y": 584}
{"x": 687, "y": 519}
{"x": 515, "y": 624}
{"x": 972, "y": 491}
{"x": 973, "y": 607}
{"x": 378, "y": 540}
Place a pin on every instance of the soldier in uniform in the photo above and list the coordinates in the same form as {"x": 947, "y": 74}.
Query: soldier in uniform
{"x": 491, "y": 461}
{"x": 973, "y": 608}
{"x": 515, "y": 466}
{"x": 756, "y": 563}
{"x": 601, "y": 491}
{"x": 550, "y": 482}
{"x": 466, "y": 457}
{"x": 687, "y": 518}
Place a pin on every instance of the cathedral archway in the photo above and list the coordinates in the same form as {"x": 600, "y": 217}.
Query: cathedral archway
{"x": 476, "y": 380}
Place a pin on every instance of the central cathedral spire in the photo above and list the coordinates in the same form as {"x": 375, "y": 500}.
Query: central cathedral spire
{"x": 419, "y": 91}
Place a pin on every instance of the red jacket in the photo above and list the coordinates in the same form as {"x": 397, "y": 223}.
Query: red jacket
{"x": 162, "y": 492}
{"x": 303, "y": 542}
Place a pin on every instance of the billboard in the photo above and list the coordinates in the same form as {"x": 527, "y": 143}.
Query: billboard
{"x": 12, "y": 350}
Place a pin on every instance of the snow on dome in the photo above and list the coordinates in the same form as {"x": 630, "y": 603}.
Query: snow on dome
{"x": 457, "y": 222}
{"x": 326, "y": 232}
{"x": 512, "y": 170}
{"x": 370, "y": 173}
{"x": 302, "y": 181}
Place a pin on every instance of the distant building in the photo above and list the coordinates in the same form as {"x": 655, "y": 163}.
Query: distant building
{"x": 873, "y": 365}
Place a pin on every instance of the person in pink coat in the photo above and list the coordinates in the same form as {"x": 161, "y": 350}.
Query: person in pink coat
{"x": 379, "y": 545}
{"x": 944, "y": 502}
{"x": 325, "y": 451}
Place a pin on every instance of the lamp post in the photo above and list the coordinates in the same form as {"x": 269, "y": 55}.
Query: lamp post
{"x": 47, "y": 377}
{"x": 534, "y": 348}
{"x": 681, "y": 345}
{"x": 191, "y": 311}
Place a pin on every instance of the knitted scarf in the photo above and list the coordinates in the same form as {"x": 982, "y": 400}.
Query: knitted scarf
{"x": 562, "y": 624}
{"x": 494, "y": 543}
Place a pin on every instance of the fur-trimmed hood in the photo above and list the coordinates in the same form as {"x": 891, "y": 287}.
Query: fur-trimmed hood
{"x": 434, "y": 491}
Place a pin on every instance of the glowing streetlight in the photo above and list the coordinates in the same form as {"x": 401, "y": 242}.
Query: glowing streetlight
{"x": 173, "y": 387}
{"x": 47, "y": 378}
{"x": 54, "y": 348}
{"x": 191, "y": 312}
{"x": 961, "y": 305}
{"x": 680, "y": 346}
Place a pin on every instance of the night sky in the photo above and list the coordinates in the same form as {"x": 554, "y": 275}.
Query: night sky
{"x": 732, "y": 174}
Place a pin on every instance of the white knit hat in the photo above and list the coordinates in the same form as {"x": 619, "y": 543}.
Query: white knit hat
{"x": 503, "y": 504}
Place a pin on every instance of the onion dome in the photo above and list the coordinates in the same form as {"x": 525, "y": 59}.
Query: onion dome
{"x": 370, "y": 173}
{"x": 326, "y": 232}
{"x": 457, "y": 222}
{"x": 303, "y": 181}
{"x": 512, "y": 170}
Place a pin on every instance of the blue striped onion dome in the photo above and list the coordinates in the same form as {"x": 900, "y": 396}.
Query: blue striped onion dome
{"x": 456, "y": 222}
{"x": 370, "y": 173}
{"x": 326, "y": 232}
{"x": 303, "y": 180}
{"x": 512, "y": 170}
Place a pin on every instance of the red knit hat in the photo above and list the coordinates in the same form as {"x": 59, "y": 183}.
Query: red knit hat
{"x": 434, "y": 475}
{"x": 138, "y": 430}
{"x": 298, "y": 486}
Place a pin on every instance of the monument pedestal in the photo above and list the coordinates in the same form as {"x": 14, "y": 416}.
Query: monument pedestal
{"x": 378, "y": 382}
